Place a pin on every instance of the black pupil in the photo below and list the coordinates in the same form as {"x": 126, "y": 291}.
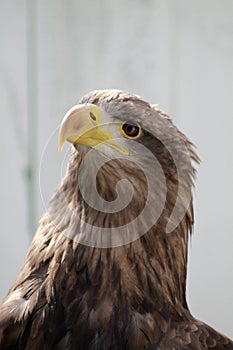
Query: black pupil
{"x": 131, "y": 130}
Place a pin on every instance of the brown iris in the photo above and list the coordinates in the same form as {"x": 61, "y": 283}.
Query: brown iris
{"x": 131, "y": 130}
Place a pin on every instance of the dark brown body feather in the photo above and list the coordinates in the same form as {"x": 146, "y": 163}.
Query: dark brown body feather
{"x": 72, "y": 296}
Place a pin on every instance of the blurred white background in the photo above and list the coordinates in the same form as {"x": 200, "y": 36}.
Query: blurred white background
{"x": 175, "y": 53}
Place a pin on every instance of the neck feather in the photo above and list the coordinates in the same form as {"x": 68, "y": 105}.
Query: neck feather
{"x": 151, "y": 270}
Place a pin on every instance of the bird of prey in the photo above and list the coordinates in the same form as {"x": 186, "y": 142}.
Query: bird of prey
{"x": 107, "y": 266}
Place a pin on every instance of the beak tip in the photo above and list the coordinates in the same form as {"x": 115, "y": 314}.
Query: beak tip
{"x": 60, "y": 142}
{"x": 60, "y": 146}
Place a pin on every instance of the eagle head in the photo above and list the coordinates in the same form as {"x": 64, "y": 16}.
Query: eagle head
{"x": 133, "y": 167}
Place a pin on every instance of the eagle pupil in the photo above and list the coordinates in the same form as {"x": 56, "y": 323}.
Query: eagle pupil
{"x": 131, "y": 130}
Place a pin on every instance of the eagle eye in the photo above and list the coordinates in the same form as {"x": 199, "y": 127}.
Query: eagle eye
{"x": 131, "y": 131}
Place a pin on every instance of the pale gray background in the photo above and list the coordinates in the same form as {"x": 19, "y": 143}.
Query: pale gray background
{"x": 178, "y": 53}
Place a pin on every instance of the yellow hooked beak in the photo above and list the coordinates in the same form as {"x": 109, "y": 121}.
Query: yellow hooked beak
{"x": 83, "y": 125}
